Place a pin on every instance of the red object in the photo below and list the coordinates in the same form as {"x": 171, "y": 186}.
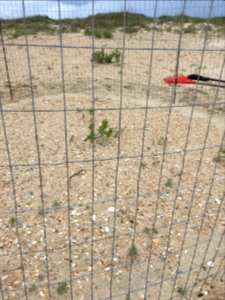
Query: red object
{"x": 179, "y": 78}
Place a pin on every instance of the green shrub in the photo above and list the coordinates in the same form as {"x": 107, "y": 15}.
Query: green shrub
{"x": 100, "y": 56}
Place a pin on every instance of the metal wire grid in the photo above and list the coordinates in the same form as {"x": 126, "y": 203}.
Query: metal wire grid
{"x": 118, "y": 158}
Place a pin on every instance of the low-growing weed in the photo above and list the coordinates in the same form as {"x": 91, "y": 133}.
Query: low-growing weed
{"x": 102, "y": 57}
{"x": 62, "y": 287}
{"x": 169, "y": 182}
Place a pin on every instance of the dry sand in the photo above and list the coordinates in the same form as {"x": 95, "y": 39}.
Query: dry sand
{"x": 138, "y": 184}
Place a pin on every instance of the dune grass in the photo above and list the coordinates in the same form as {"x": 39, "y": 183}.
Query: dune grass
{"x": 105, "y": 24}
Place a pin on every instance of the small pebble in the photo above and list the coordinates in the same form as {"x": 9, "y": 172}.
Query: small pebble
{"x": 111, "y": 209}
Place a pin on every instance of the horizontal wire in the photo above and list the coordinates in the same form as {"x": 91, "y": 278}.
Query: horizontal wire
{"x": 79, "y": 110}
{"x": 112, "y": 48}
{"x": 108, "y": 158}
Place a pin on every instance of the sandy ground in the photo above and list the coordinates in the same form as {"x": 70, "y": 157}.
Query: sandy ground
{"x": 192, "y": 206}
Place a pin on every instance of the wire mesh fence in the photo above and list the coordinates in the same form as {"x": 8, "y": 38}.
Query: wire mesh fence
{"x": 112, "y": 181}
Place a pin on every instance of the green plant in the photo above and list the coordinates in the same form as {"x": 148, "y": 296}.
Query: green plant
{"x": 160, "y": 141}
{"x": 133, "y": 251}
{"x": 219, "y": 158}
{"x": 100, "y": 56}
{"x": 190, "y": 29}
{"x": 33, "y": 287}
{"x": 146, "y": 229}
{"x": 169, "y": 182}
{"x": 103, "y": 129}
{"x": 156, "y": 162}
{"x": 62, "y": 287}
{"x": 56, "y": 204}
{"x": 40, "y": 211}
{"x": 116, "y": 53}
{"x": 107, "y": 34}
{"x": 12, "y": 221}
{"x": 71, "y": 138}
{"x": 181, "y": 290}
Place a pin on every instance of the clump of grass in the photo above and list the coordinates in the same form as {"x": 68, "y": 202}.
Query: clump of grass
{"x": 12, "y": 221}
{"x": 169, "y": 182}
{"x": 133, "y": 251}
{"x": 181, "y": 290}
{"x": 105, "y": 24}
{"x": 62, "y": 287}
{"x": 190, "y": 29}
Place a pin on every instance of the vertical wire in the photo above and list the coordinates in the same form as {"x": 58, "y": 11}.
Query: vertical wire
{"x": 173, "y": 95}
{"x": 6, "y": 61}
{"x": 66, "y": 147}
{"x": 15, "y": 202}
{"x": 167, "y": 130}
{"x": 143, "y": 144}
{"x": 193, "y": 194}
{"x": 38, "y": 148}
{"x": 93, "y": 151}
{"x": 183, "y": 162}
{"x": 1, "y": 290}
{"x": 118, "y": 147}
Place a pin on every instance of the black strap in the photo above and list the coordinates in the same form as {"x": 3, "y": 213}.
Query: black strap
{"x": 203, "y": 78}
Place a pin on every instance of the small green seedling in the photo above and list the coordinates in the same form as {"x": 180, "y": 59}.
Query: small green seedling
{"x": 12, "y": 221}
{"x": 146, "y": 229}
{"x": 133, "y": 251}
{"x": 160, "y": 141}
{"x": 71, "y": 138}
{"x": 102, "y": 131}
{"x": 56, "y": 204}
{"x": 156, "y": 162}
{"x": 181, "y": 290}
{"x": 143, "y": 165}
{"x": 169, "y": 182}
{"x": 40, "y": 211}
{"x": 62, "y": 287}
{"x": 33, "y": 287}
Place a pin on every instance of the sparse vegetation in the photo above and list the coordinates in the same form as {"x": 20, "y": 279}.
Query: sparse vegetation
{"x": 33, "y": 287}
{"x": 220, "y": 157}
{"x": 169, "y": 182}
{"x": 62, "y": 287}
{"x": 12, "y": 221}
{"x": 133, "y": 251}
{"x": 102, "y": 131}
{"x": 101, "y": 57}
{"x": 56, "y": 204}
{"x": 40, "y": 211}
{"x": 146, "y": 229}
{"x": 105, "y": 24}
{"x": 181, "y": 290}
